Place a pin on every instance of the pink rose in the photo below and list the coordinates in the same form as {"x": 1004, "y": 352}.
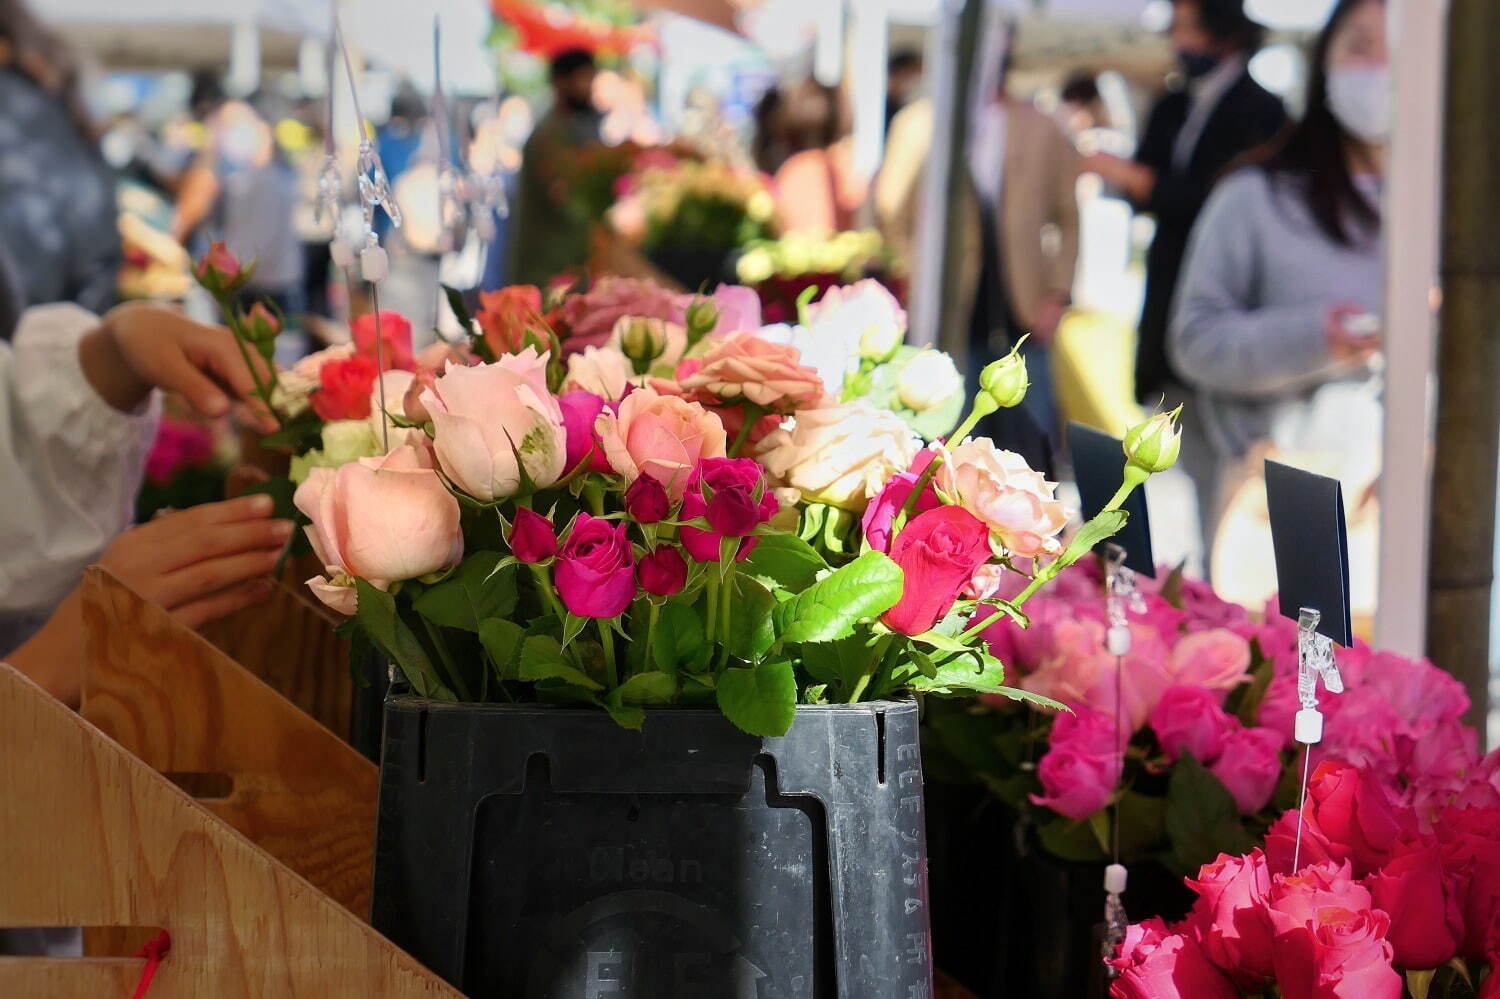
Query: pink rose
{"x": 1189, "y": 719}
{"x": 738, "y": 308}
{"x": 381, "y": 520}
{"x": 595, "y": 568}
{"x": 987, "y": 581}
{"x": 1156, "y": 963}
{"x": 1329, "y": 943}
{"x": 1077, "y": 670}
{"x": 1347, "y": 816}
{"x": 179, "y": 444}
{"x": 1087, "y": 731}
{"x": 533, "y": 538}
{"x": 663, "y": 436}
{"x": 603, "y": 371}
{"x": 1080, "y": 772}
{"x": 1217, "y": 660}
{"x": 1279, "y": 707}
{"x": 580, "y": 411}
{"x": 663, "y": 572}
{"x": 882, "y": 511}
{"x": 411, "y": 398}
{"x": 646, "y": 501}
{"x": 744, "y": 367}
{"x": 1019, "y": 505}
{"x": 1422, "y": 899}
{"x": 395, "y": 339}
{"x": 219, "y": 270}
{"x": 938, "y": 553}
{"x": 731, "y": 494}
{"x": 487, "y": 417}
{"x": 591, "y": 316}
{"x": 1231, "y": 918}
{"x": 1249, "y": 765}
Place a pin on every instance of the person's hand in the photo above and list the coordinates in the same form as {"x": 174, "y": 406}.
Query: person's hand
{"x": 1135, "y": 179}
{"x": 1049, "y": 316}
{"x": 203, "y": 563}
{"x": 1352, "y": 334}
{"x": 141, "y": 346}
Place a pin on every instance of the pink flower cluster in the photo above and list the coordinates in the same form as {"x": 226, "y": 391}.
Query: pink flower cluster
{"x": 1376, "y": 896}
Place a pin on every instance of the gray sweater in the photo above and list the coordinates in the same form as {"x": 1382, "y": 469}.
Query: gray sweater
{"x": 1247, "y": 326}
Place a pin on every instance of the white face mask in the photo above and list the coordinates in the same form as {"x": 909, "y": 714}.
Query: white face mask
{"x": 1360, "y": 98}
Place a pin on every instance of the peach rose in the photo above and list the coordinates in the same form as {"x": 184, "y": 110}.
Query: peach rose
{"x": 839, "y": 455}
{"x": 743, "y": 366}
{"x": 663, "y": 436}
{"x": 1217, "y": 659}
{"x": 604, "y": 371}
{"x": 1019, "y": 505}
{"x": 485, "y": 417}
{"x": 381, "y": 520}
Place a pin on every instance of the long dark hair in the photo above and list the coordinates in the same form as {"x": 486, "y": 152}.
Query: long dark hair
{"x": 1313, "y": 151}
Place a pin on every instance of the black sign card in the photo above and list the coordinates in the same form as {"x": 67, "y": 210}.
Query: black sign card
{"x": 1312, "y": 547}
{"x": 1099, "y": 467}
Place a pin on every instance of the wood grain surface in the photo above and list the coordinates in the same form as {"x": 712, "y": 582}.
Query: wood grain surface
{"x": 185, "y": 708}
{"x": 92, "y": 836}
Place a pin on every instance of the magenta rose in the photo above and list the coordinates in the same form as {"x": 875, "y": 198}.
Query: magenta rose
{"x": 1330, "y": 943}
{"x": 1347, "y": 815}
{"x": 663, "y": 572}
{"x": 938, "y": 553}
{"x": 881, "y": 514}
{"x": 533, "y": 538}
{"x": 595, "y": 568}
{"x": 1231, "y": 919}
{"x": 1077, "y": 779}
{"x": 1087, "y": 731}
{"x": 1190, "y": 718}
{"x": 580, "y": 412}
{"x": 732, "y": 495}
{"x": 1422, "y": 899}
{"x": 646, "y": 501}
{"x": 1249, "y": 764}
{"x": 1157, "y": 963}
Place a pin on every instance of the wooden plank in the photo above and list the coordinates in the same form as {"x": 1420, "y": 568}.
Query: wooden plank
{"x": 174, "y": 700}
{"x": 92, "y": 836}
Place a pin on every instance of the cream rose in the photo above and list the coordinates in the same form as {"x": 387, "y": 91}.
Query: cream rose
{"x": 604, "y": 371}
{"x": 1019, "y": 505}
{"x": 663, "y": 436}
{"x": 839, "y": 455}
{"x": 928, "y": 381}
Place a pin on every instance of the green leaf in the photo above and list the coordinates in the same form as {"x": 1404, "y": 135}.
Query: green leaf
{"x": 1017, "y": 694}
{"x": 838, "y": 664}
{"x": 473, "y": 594}
{"x": 297, "y": 434}
{"x": 542, "y": 659}
{"x": 1103, "y": 527}
{"x": 942, "y": 643}
{"x": 573, "y": 626}
{"x": 377, "y": 613}
{"x": 750, "y": 631}
{"x": 503, "y": 640}
{"x": 829, "y": 609}
{"x": 679, "y": 638}
{"x": 1244, "y": 703}
{"x": 1419, "y": 983}
{"x": 1202, "y": 819}
{"x": 646, "y": 688}
{"x": 1068, "y": 839}
{"x": 760, "y": 700}
{"x": 629, "y": 716}
{"x": 973, "y": 671}
{"x": 784, "y": 560}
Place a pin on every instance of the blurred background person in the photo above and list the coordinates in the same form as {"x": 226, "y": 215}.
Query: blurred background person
{"x": 550, "y": 238}
{"x": 1193, "y": 134}
{"x": 903, "y": 81}
{"x": 1275, "y": 324}
{"x": 816, "y": 187}
{"x": 57, "y": 215}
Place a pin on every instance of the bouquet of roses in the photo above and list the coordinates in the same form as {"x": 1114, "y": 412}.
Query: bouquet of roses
{"x": 681, "y": 514}
{"x": 1388, "y": 900}
{"x": 699, "y": 205}
{"x": 1206, "y": 706}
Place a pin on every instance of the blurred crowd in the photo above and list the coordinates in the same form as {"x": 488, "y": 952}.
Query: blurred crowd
{"x": 1263, "y": 281}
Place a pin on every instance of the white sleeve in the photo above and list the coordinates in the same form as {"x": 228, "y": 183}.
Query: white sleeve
{"x": 70, "y": 464}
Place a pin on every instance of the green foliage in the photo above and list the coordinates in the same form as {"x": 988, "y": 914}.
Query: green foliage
{"x": 383, "y": 624}
{"x": 478, "y": 590}
{"x": 784, "y": 560}
{"x": 829, "y": 609}
{"x": 1202, "y": 819}
{"x": 760, "y": 700}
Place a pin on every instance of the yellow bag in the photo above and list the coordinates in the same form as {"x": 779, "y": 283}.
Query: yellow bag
{"x": 1093, "y": 370}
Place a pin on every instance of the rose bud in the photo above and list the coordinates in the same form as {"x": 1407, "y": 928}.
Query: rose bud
{"x": 1005, "y": 381}
{"x": 646, "y": 501}
{"x": 533, "y": 538}
{"x": 262, "y": 323}
{"x": 701, "y": 318}
{"x": 642, "y": 340}
{"x": 220, "y": 271}
{"x": 928, "y": 381}
{"x": 1153, "y": 446}
{"x": 663, "y": 572}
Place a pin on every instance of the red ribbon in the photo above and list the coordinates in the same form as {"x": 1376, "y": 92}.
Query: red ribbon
{"x": 154, "y": 952}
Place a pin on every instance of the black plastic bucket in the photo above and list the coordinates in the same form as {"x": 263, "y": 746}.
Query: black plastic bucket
{"x": 545, "y": 853}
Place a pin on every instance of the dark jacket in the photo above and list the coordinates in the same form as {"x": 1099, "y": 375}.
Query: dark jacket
{"x": 1246, "y": 116}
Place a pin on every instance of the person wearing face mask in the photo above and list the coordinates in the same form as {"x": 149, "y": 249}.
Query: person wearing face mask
{"x": 1275, "y": 324}
{"x": 550, "y": 238}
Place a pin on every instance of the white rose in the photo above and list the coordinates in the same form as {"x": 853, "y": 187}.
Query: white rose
{"x": 603, "y": 371}
{"x": 839, "y": 455}
{"x": 928, "y": 381}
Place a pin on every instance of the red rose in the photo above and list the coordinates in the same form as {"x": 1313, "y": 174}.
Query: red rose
{"x": 505, "y": 316}
{"x": 395, "y": 339}
{"x": 724, "y": 491}
{"x": 344, "y": 388}
{"x": 1470, "y": 839}
{"x": 533, "y": 538}
{"x": 646, "y": 501}
{"x": 1231, "y": 918}
{"x": 1422, "y": 900}
{"x": 595, "y": 568}
{"x": 1157, "y": 963}
{"x": 1347, "y": 815}
{"x": 938, "y": 552}
{"x": 663, "y": 572}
